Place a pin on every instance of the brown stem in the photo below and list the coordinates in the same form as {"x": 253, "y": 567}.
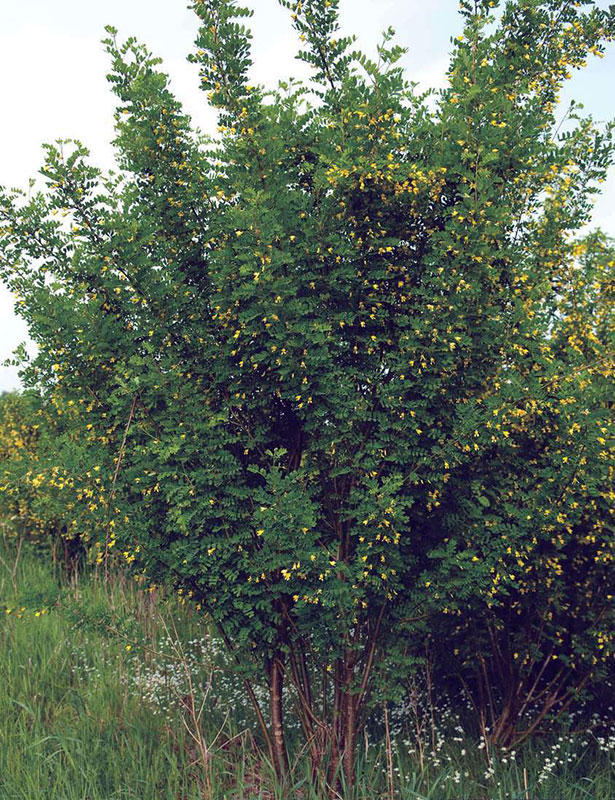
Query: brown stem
{"x": 389, "y": 752}
{"x": 522, "y": 736}
{"x": 305, "y": 709}
{"x": 336, "y": 731}
{"x": 116, "y": 473}
{"x": 251, "y": 693}
{"x": 276, "y": 683}
{"x": 371, "y": 652}
{"x": 350, "y": 738}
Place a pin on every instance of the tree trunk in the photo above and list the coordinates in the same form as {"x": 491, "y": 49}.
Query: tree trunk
{"x": 335, "y": 737}
{"x": 344, "y": 726}
{"x": 350, "y": 739}
{"x": 276, "y": 683}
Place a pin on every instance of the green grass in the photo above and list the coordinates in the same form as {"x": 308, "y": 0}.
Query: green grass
{"x": 95, "y": 705}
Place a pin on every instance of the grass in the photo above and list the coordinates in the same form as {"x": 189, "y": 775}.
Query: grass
{"x": 108, "y": 691}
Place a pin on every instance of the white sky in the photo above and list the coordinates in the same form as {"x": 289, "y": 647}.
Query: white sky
{"x": 53, "y": 78}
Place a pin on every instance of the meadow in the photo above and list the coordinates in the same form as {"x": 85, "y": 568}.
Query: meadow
{"x": 111, "y": 691}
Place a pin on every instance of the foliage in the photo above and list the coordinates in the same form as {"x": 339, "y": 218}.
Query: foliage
{"x": 547, "y": 629}
{"x": 49, "y": 487}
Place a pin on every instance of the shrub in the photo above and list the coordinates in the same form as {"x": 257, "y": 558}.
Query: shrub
{"x": 321, "y": 357}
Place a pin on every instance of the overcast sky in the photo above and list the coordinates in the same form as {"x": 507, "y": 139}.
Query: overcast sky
{"x": 53, "y": 78}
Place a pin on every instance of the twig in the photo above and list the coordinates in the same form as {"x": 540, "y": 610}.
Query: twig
{"x": 116, "y": 473}
{"x": 389, "y": 752}
{"x": 12, "y": 570}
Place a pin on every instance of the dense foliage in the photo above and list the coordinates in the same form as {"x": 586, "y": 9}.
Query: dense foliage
{"x": 344, "y": 371}
{"x": 49, "y": 488}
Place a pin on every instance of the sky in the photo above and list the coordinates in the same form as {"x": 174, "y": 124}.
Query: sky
{"x": 53, "y": 81}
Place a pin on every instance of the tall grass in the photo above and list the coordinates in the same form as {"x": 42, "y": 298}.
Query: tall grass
{"x": 110, "y": 691}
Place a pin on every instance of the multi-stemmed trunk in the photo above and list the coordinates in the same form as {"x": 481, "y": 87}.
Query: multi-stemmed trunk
{"x": 331, "y": 733}
{"x": 344, "y": 724}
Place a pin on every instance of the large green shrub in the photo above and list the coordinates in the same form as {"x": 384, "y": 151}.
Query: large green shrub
{"x": 320, "y": 356}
